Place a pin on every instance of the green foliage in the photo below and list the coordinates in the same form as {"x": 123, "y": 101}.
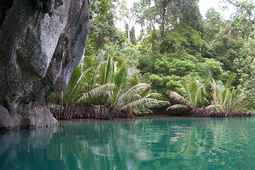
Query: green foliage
{"x": 228, "y": 99}
{"x": 98, "y": 96}
{"x": 213, "y": 24}
{"x": 102, "y": 29}
{"x": 81, "y": 80}
{"x": 167, "y": 71}
{"x": 74, "y": 87}
{"x": 177, "y": 50}
{"x": 105, "y": 81}
{"x": 168, "y": 14}
{"x": 137, "y": 97}
{"x": 243, "y": 20}
{"x": 182, "y": 37}
{"x": 195, "y": 91}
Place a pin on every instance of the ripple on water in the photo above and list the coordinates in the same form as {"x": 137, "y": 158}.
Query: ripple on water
{"x": 192, "y": 144}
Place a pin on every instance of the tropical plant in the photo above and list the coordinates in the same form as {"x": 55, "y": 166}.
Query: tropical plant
{"x": 137, "y": 97}
{"x": 227, "y": 99}
{"x": 83, "y": 79}
{"x": 76, "y": 85}
{"x": 90, "y": 74}
{"x": 108, "y": 83}
{"x": 195, "y": 91}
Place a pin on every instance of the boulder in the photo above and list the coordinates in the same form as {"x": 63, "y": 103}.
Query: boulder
{"x": 39, "y": 116}
{"x": 176, "y": 98}
{"x": 179, "y": 110}
{"x": 41, "y": 44}
{"x": 7, "y": 120}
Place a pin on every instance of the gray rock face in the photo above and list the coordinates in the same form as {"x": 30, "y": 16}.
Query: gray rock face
{"x": 42, "y": 41}
{"x": 7, "y": 120}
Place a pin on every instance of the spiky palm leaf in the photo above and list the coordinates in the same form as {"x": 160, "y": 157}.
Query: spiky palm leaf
{"x": 154, "y": 95}
{"x": 79, "y": 85}
{"x": 133, "y": 93}
{"x": 109, "y": 69}
{"x": 120, "y": 80}
{"x": 146, "y": 102}
{"x": 98, "y": 92}
{"x": 111, "y": 85}
{"x": 76, "y": 85}
{"x": 227, "y": 98}
{"x": 195, "y": 91}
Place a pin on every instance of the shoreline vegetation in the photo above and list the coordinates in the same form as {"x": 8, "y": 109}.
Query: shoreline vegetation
{"x": 78, "y": 112}
{"x": 195, "y": 67}
{"x": 116, "y": 95}
{"x": 179, "y": 107}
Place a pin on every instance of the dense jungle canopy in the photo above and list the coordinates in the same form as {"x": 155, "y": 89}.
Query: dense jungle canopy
{"x": 170, "y": 45}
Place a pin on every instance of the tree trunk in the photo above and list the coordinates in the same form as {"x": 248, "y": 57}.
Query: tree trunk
{"x": 42, "y": 41}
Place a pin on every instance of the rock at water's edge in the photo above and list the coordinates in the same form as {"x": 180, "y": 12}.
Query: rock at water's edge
{"x": 7, "y": 120}
{"x": 41, "y": 44}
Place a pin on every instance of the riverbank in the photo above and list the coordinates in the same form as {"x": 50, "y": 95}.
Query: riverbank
{"x": 99, "y": 112}
{"x": 72, "y": 112}
{"x": 202, "y": 112}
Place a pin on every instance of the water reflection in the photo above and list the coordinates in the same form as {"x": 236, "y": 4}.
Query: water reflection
{"x": 133, "y": 145}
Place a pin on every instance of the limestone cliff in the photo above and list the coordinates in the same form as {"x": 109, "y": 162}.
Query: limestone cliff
{"x": 41, "y": 42}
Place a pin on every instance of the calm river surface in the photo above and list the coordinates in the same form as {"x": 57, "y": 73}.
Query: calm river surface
{"x": 143, "y": 144}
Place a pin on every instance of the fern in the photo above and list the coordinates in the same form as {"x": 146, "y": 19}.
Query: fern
{"x": 146, "y": 102}
{"x": 107, "y": 85}
{"x": 133, "y": 93}
{"x": 226, "y": 98}
{"x": 101, "y": 91}
{"x": 195, "y": 91}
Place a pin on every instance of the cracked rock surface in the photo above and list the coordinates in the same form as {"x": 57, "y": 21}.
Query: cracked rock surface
{"x": 42, "y": 41}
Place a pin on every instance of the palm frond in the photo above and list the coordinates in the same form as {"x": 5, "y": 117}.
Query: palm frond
{"x": 120, "y": 80}
{"x": 108, "y": 70}
{"x": 154, "y": 95}
{"x": 133, "y": 93}
{"x": 145, "y": 102}
{"x": 195, "y": 91}
{"x": 101, "y": 91}
{"x": 76, "y": 85}
{"x": 226, "y": 98}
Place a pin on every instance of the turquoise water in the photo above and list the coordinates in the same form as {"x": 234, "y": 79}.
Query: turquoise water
{"x": 144, "y": 144}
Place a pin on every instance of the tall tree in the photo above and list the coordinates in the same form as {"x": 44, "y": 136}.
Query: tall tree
{"x": 167, "y": 14}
